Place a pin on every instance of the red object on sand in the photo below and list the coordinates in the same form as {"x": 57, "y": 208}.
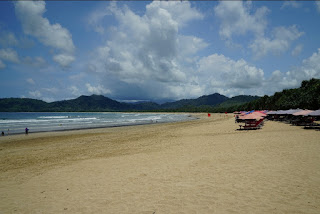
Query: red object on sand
{"x": 209, "y": 114}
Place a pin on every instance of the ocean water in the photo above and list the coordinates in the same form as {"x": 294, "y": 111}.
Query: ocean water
{"x": 16, "y": 122}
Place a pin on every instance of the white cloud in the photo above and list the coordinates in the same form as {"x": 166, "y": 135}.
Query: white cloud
{"x": 290, "y": 3}
{"x": 276, "y": 76}
{"x": 30, "y": 13}
{"x": 99, "y": 89}
{"x": 277, "y": 82}
{"x": 147, "y": 51}
{"x": 30, "y": 81}
{"x": 10, "y": 55}
{"x": 74, "y": 91}
{"x": 190, "y": 45}
{"x": 2, "y": 65}
{"x": 318, "y": 5}
{"x": 239, "y": 19}
{"x": 281, "y": 39}
{"x": 52, "y": 90}
{"x": 236, "y": 19}
{"x": 228, "y": 76}
{"x": 310, "y": 68}
{"x": 95, "y": 20}
{"x": 7, "y": 39}
{"x": 35, "y": 94}
{"x": 48, "y": 93}
{"x": 181, "y": 12}
{"x": 64, "y": 60}
{"x": 297, "y": 50}
{"x": 147, "y": 57}
{"x": 48, "y": 99}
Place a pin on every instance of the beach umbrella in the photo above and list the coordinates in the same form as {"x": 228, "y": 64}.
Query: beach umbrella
{"x": 260, "y": 114}
{"x": 302, "y": 113}
{"x": 249, "y": 112}
{"x": 291, "y": 111}
{"x": 244, "y": 113}
{"x": 279, "y": 112}
{"x": 314, "y": 113}
{"x": 250, "y": 117}
{"x": 272, "y": 112}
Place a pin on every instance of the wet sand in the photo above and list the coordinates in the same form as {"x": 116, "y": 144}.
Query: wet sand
{"x": 200, "y": 166}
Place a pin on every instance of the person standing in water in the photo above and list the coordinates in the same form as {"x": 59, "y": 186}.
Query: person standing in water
{"x": 27, "y": 131}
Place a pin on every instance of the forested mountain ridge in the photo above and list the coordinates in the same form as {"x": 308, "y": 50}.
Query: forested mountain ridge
{"x": 97, "y": 103}
{"x": 307, "y": 96}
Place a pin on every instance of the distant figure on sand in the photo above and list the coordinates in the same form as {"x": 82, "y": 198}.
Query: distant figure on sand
{"x": 2, "y": 133}
{"x": 27, "y": 130}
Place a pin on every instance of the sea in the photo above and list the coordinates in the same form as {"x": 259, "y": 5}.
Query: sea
{"x": 17, "y": 122}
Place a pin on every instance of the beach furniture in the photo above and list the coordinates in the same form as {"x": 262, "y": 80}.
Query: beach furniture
{"x": 253, "y": 124}
{"x": 304, "y": 121}
{"x": 253, "y": 120}
{"x": 282, "y": 115}
{"x": 312, "y": 116}
{"x": 300, "y": 118}
{"x": 271, "y": 115}
{"x": 315, "y": 113}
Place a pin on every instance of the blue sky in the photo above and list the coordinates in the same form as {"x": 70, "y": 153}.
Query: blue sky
{"x": 144, "y": 50}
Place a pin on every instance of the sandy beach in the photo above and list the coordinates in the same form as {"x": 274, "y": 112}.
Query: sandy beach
{"x": 199, "y": 166}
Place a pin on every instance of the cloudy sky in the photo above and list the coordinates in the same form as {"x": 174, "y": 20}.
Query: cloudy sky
{"x": 156, "y": 51}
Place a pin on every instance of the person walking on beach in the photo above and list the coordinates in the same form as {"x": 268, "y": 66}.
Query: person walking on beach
{"x": 27, "y": 131}
{"x": 2, "y": 133}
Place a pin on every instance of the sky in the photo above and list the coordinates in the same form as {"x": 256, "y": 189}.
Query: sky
{"x": 156, "y": 51}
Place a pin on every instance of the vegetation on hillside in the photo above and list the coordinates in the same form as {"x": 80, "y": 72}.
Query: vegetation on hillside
{"x": 305, "y": 97}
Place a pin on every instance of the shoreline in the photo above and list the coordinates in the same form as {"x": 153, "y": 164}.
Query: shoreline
{"x": 98, "y": 127}
{"x": 188, "y": 118}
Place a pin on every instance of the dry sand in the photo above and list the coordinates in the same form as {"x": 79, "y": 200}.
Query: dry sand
{"x": 202, "y": 166}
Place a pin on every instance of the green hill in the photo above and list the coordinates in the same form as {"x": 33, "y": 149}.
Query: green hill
{"x": 207, "y": 100}
{"x": 89, "y": 103}
{"x": 23, "y": 105}
{"x": 101, "y": 103}
{"x": 305, "y": 97}
{"x": 237, "y": 100}
{"x": 82, "y": 103}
